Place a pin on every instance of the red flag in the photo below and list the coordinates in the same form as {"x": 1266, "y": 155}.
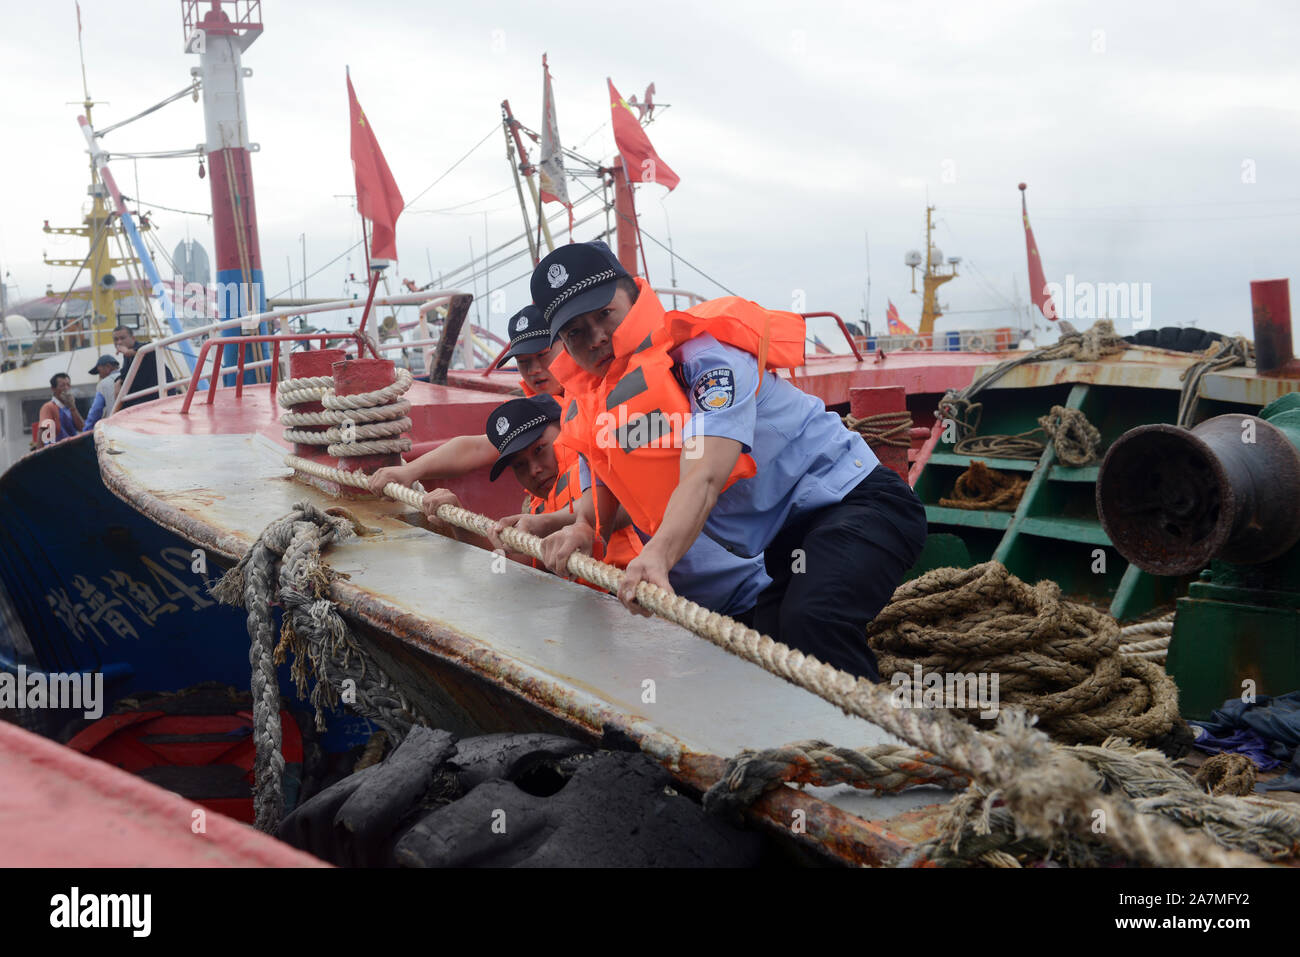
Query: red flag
{"x": 378, "y": 198}
{"x": 642, "y": 163}
{"x": 1037, "y": 282}
{"x": 897, "y": 327}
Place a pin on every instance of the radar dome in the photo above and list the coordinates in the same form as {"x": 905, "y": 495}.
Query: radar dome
{"x": 913, "y": 258}
{"x": 18, "y": 328}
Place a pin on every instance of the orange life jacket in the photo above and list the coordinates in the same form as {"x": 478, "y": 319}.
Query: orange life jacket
{"x": 628, "y": 423}
{"x": 624, "y": 545}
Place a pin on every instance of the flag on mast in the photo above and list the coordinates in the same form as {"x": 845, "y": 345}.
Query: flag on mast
{"x": 378, "y": 198}
{"x": 1037, "y": 281}
{"x": 550, "y": 168}
{"x": 642, "y": 163}
{"x": 897, "y": 327}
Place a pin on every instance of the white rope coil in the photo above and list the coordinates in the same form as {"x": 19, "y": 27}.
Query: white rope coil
{"x": 373, "y": 447}
{"x": 363, "y": 400}
{"x": 379, "y": 413}
{"x": 302, "y": 437}
{"x": 368, "y": 423}
{"x": 1140, "y": 647}
{"x": 379, "y": 430}
{"x": 293, "y": 392}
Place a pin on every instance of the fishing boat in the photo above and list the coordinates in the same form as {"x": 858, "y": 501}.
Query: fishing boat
{"x": 171, "y": 495}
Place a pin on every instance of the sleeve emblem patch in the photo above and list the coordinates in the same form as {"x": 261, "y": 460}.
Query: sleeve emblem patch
{"x": 715, "y": 389}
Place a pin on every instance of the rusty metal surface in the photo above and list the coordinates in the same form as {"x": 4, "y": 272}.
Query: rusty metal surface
{"x": 1172, "y": 499}
{"x": 518, "y": 648}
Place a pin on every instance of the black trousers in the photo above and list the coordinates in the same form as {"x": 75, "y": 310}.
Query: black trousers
{"x": 833, "y": 569}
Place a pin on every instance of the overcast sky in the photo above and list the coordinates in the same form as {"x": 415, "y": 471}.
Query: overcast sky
{"x": 1160, "y": 141}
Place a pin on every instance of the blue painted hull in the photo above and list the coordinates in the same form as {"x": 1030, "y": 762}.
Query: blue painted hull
{"x": 98, "y": 587}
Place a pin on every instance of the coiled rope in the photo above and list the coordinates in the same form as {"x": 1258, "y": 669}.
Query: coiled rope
{"x": 1046, "y": 789}
{"x": 885, "y": 428}
{"x": 1221, "y": 355}
{"x": 980, "y": 488}
{"x": 1057, "y": 659}
{"x": 958, "y": 406}
{"x": 367, "y": 423}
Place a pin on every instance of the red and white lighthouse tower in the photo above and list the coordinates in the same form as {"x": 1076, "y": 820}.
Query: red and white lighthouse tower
{"x": 219, "y": 31}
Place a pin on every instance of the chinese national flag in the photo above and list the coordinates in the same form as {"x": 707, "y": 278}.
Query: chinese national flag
{"x": 1037, "y": 281}
{"x": 378, "y": 198}
{"x": 897, "y": 327}
{"x": 642, "y": 163}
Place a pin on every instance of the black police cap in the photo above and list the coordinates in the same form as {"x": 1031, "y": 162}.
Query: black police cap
{"x": 574, "y": 279}
{"x": 529, "y": 333}
{"x": 517, "y": 424}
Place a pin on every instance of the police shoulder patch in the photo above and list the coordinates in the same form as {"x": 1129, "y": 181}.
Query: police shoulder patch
{"x": 714, "y": 389}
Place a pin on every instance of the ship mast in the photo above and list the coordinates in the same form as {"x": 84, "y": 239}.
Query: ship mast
{"x": 98, "y": 226}
{"x": 936, "y": 274}
{"x": 219, "y": 39}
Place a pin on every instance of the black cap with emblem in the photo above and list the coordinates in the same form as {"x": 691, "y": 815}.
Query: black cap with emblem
{"x": 529, "y": 333}
{"x": 574, "y": 279}
{"x": 517, "y": 424}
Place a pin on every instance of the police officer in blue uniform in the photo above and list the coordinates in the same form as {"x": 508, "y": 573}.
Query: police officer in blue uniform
{"x": 837, "y": 531}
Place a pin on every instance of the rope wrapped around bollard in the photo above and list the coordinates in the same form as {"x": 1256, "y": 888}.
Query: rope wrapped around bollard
{"x": 1046, "y": 789}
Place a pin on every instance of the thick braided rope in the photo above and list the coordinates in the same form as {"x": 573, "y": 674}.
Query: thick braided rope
{"x": 317, "y": 633}
{"x": 1159, "y": 627}
{"x": 1077, "y": 440}
{"x": 381, "y": 413}
{"x": 376, "y": 430}
{"x": 1057, "y": 659}
{"x": 250, "y": 584}
{"x": 983, "y": 488}
{"x": 372, "y": 447}
{"x": 303, "y": 437}
{"x": 883, "y": 768}
{"x": 291, "y": 392}
{"x": 886, "y": 428}
{"x": 1252, "y": 824}
{"x": 364, "y": 400}
{"x": 1145, "y": 647}
{"x": 294, "y": 542}
{"x": 1047, "y": 791}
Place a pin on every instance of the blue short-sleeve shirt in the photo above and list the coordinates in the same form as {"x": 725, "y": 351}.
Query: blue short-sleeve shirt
{"x": 806, "y": 458}
{"x": 708, "y": 574}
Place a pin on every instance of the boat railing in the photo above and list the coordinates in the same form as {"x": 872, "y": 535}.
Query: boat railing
{"x": 663, "y": 292}
{"x": 848, "y": 336}
{"x": 1001, "y": 339}
{"x": 216, "y": 343}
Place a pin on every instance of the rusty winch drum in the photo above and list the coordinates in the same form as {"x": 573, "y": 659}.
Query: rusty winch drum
{"x": 1171, "y": 499}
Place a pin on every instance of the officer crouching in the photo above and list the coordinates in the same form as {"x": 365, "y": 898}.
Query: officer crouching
{"x": 678, "y": 423}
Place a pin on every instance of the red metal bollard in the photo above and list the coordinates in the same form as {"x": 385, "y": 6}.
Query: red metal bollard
{"x": 307, "y": 365}
{"x": 1270, "y": 304}
{"x": 352, "y": 377}
{"x": 875, "y": 400}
